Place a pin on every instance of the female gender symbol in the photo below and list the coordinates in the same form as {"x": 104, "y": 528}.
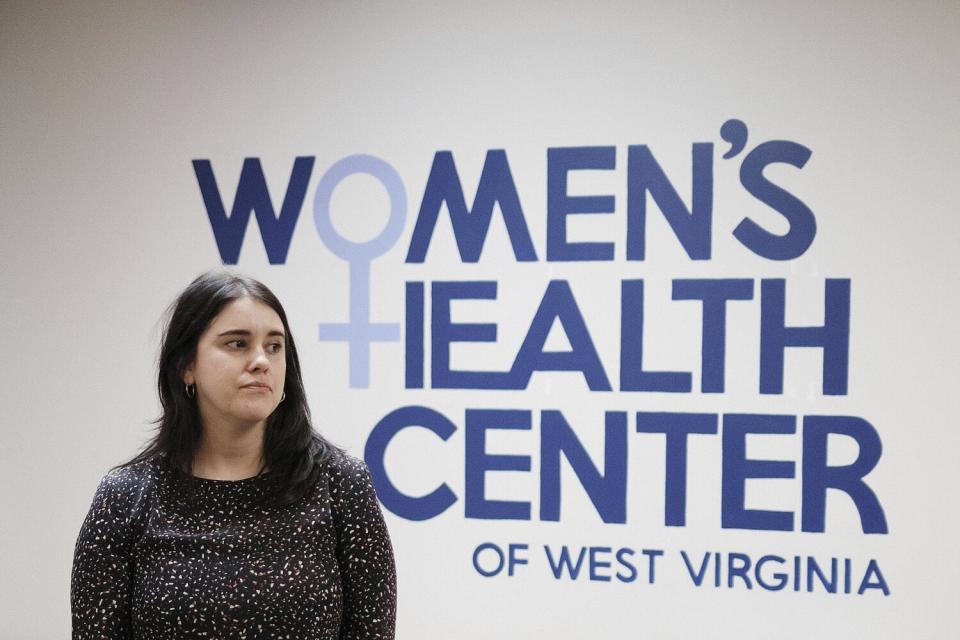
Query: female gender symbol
{"x": 358, "y": 331}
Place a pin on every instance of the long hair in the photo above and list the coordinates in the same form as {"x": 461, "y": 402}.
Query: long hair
{"x": 294, "y": 452}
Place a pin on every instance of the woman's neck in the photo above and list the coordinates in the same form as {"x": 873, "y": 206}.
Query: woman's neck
{"x": 229, "y": 454}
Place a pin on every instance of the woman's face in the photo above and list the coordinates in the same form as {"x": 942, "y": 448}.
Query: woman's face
{"x": 241, "y": 365}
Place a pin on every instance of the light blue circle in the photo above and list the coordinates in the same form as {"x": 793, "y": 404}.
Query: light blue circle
{"x": 389, "y": 178}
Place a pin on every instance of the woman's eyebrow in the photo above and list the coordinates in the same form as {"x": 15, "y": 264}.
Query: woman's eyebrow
{"x": 244, "y": 332}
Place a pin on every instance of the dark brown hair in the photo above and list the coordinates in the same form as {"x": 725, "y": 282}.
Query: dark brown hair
{"x": 293, "y": 451}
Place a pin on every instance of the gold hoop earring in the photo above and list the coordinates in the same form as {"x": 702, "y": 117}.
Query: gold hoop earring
{"x": 190, "y": 390}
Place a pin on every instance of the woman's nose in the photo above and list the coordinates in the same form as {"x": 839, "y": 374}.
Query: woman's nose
{"x": 260, "y": 362}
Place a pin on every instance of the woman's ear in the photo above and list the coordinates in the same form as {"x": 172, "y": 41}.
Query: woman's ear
{"x": 187, "y": 375}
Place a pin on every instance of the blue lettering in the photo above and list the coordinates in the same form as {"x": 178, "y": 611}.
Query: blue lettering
{"x": 488, "y": 573}
{"x": 691, "y": 226}
{"x": 818, "y": 477}
{"x": 623, "y": 559}
{"x": 596, "y": 563}
{"x": 873, "y": 579}
{"x": 813, "y": 569}
{"x": 253, "y": 196}
{"x": 470, "y": 226}
{"x": 698, "y": 575}
{"x": 558, "y": 303}
{"x": 652, "y": 555}
{"x": 560, "y": 162}
{"x": 608, "y": 492}
{"x": 833, "y": 336}
{"x": 676, "y": 427}
{"x": 443, "y": 332}
{"x": 632, "y": 375}
{"x": 780, "y": 578}
{"x": 738, "y": 566}
{"x": 737, "y": 469}
{"x": 413, "y": 335}
{"x": 714, "y": 295}
{"x": 803, "y": 225}
{"x": 478, "y": 462}
{"x": 411, "y": 508}
{"x": 564, "y": 563}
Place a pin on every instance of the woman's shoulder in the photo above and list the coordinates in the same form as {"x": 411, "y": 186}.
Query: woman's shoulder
{"x": 342, "y": 463}
{"x": 118, "y": 509}
{"x": 353, "y": 495}
{"x": 134, "y": 472}
{"x": 346, "y": 474}
{"x": 127, "y": 484}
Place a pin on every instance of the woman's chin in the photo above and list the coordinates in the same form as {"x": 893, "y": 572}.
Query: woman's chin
{"x": 255, "y": 414}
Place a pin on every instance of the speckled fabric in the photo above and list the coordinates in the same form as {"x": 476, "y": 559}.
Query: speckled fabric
{"x": 164, "y": 555}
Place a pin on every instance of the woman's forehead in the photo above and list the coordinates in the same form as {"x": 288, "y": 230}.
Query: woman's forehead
{"x": 247, "y": 314}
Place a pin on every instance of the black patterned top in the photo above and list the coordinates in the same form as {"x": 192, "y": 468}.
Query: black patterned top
{"x": 165, "y": 555}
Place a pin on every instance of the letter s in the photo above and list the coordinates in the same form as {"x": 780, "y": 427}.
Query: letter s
{"x": 803, "y": 226}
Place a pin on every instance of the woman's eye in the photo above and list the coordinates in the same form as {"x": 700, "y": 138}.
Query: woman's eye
{"x": 276, "y": 347}
{"x": 236, "y": 344}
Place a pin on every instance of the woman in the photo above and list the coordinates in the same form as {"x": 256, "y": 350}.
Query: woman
{"x": 237, "y": 520}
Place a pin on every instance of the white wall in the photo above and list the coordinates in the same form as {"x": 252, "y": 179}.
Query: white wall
{"x": 104, "y": 105}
